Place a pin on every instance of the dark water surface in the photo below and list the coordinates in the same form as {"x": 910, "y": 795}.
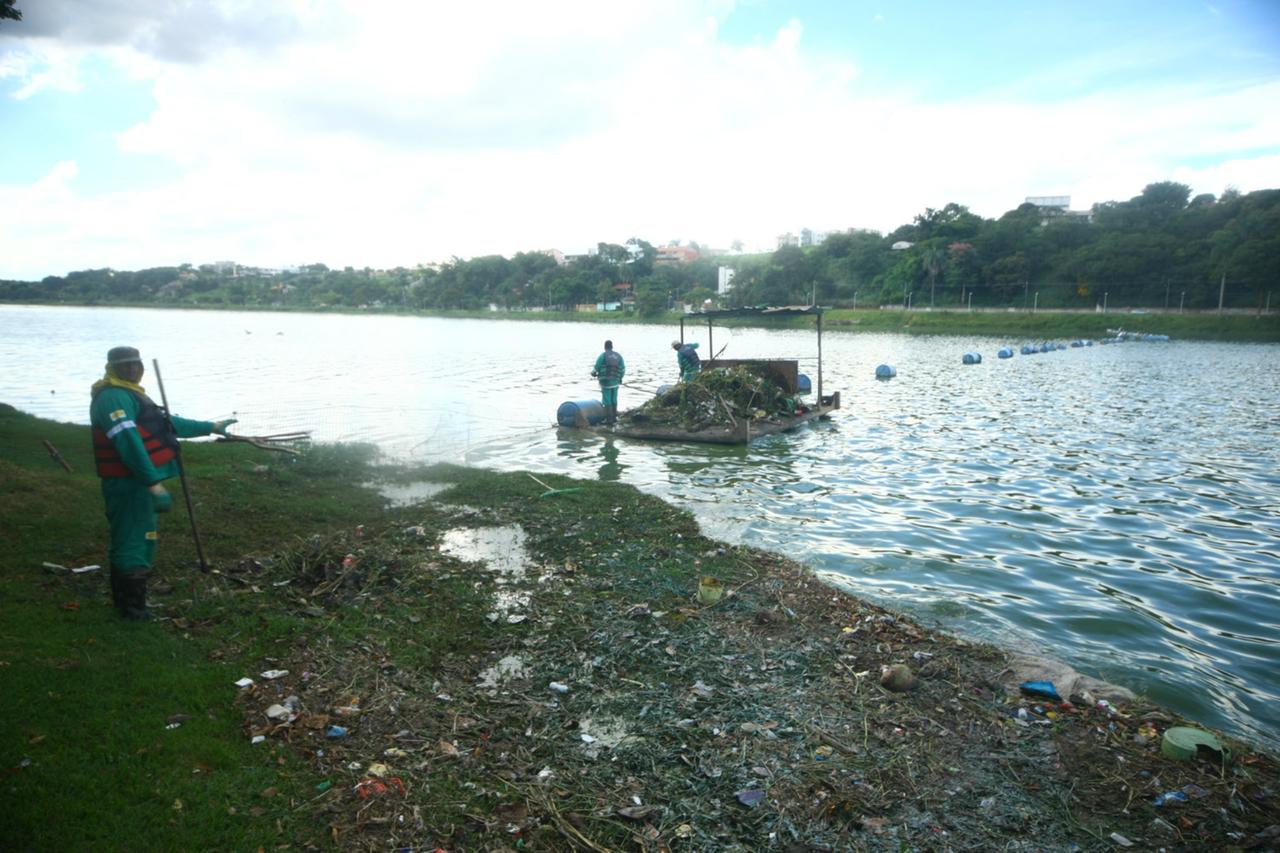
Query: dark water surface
{"x": 1117, "y": 507}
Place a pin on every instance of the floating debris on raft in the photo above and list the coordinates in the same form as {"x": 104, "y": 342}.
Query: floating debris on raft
{"x": 717, "y": 397}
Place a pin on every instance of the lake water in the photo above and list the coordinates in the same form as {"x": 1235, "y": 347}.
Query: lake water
{"x": 1115, "y": 506}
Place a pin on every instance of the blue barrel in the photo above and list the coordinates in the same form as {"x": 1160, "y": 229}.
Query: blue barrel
{"x": 1005, "y": 352}
{"x": 803, "y": 385}
{"x": 576, "y": 413}
{"x": 1077, "y": 343}
{"x": 886, "y": 371}
{"x": 1028, "y": 349}
{"x": 1046, "y": 346}
{"x": 972, "y": 358}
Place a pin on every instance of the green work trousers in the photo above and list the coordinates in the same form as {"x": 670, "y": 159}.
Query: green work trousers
{"x": 132, "y": 515}
{"x": 608, "y": 395}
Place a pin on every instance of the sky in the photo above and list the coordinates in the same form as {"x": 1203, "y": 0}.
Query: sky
{"x": 274, "y": 133}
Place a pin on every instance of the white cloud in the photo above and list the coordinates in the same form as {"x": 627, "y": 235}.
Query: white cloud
{"x": 381, "y": 134}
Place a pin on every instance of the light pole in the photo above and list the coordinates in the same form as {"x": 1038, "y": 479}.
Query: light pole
{"x": 1105, "y": 294}
{"x": 1035, "y": 306}
{"x": 1181, "y": 298}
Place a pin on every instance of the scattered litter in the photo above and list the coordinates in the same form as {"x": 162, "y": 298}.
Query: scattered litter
{"x": 1170, "y": 797}
{"x": 257, "y": 739}
{"x": 1043, "y": 689}
{"x": 376, "y": 787}
{"x": 1121, "y": 840}
{"x": 335, "y": 732}
{"x": 244, "y": 682}
{"x": 751, "y": 797}
{"x": 557, "y": 687}
{"x": 272, "y": 674}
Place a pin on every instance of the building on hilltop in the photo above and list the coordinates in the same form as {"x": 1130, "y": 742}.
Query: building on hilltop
{"x": 1057, "y": 208}
{"x": 724, "y": 280}
{"x": 676, "y": 255}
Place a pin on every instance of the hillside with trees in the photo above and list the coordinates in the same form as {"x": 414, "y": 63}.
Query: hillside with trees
{"x": 1160, "y": 249}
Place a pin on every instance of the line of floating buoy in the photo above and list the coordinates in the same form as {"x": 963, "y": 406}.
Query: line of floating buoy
{"x": 888, "y": 371}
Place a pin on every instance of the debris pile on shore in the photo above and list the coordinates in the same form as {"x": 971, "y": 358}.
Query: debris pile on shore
{"x": 716, "y": 397}
{"x": 589, "y": 701}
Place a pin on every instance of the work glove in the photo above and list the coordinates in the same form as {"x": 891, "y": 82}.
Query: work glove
{"x": 160, "y": 498}
{"x": 220, "y": 427}
{"x": 594, "y": 374}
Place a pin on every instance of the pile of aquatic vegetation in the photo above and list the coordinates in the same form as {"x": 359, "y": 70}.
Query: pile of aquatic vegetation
{"x": 717, "y": 397}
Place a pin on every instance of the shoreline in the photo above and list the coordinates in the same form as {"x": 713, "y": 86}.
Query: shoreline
{"x": 580, "y": 697}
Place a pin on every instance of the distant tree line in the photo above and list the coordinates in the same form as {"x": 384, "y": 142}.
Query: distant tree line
{"x": 1159, "y": 249}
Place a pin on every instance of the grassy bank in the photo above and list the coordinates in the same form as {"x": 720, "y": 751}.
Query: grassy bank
{"x": 1012, "y": 325}
{"x": 579, "y": 697}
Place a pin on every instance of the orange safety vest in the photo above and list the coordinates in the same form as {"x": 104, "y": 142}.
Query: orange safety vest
{"x": 158, "y": 438}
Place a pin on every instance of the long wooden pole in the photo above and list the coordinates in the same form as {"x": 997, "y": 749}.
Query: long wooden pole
{"x": 182, "y": 472}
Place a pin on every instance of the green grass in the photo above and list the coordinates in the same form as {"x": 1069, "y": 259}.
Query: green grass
{"x": 87, "y": 760}
{"x": 1059, "y": 326}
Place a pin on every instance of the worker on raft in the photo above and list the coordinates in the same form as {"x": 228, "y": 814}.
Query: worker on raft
{"x": 687, "y": 360}
{"x": 609, "y": 370}
{"x": 135, "y": 446}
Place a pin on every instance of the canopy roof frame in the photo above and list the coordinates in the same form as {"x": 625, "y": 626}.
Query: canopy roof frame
{"x": 761, "y": 311}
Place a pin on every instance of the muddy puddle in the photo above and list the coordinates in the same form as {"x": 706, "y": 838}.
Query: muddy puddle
{"x": 407, "y": 494}
{"x": 502, "y": 550}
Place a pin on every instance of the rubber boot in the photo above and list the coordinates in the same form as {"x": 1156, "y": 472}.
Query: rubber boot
{"x": 135, "y": 588}
{"x": 611, "y": 415}
{"x": 119, "y": 598}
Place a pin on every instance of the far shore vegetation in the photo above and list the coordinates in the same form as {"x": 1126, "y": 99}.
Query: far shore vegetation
{"x": 1205, "y": 267}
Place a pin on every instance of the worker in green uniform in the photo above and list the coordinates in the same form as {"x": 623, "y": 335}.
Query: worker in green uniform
{"x": 687, "y": 359}
{"x": 135, "y": 449}
{"x": 609, "y": 370}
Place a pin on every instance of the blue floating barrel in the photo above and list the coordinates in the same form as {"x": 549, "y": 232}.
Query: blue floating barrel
{"x": 972, "y": 358}
{"x": 1005, "y": 352}
{"x": 803, "y": 384}
{"x": 1077, "y": 343}
{"x": 1088, "y": 343}
{"x": 662, "y": 389}
{"x": 578, "y": 413}
{"x": 1060, "y": 345}
{"x": 1028, "y": 349}
{"x": 886, "y": 371}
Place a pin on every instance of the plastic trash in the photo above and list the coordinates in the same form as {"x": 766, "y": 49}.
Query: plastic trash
{"x": 1170, "y": 797}
{"x": 710, "y": 590}
{"x": 273, "y": 674}
{"x": 244, "y": 682}
{"x": 1040, "y": 688}
{"x": 557, "y": 687}
{"x": 751, "y": 797}
{"x": 1184, "y": 743}
{"x": 336, "y": 732}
